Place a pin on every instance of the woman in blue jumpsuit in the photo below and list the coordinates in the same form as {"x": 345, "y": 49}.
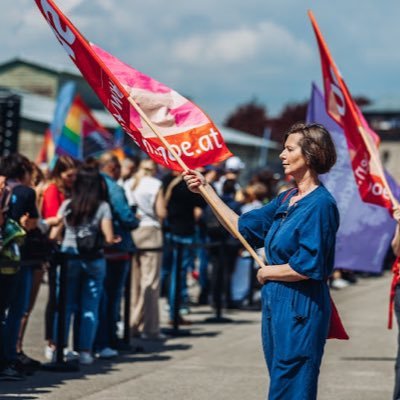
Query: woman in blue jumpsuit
{"x": 297, "y": 230}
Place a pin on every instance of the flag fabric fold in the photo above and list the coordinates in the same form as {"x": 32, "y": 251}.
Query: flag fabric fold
{"x": 362, "y": 145}
{"x": 127, "y": 93}
{"x": 365, "y": 229}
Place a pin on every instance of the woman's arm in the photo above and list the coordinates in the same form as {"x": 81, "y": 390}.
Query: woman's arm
{"x": 194, "y": 181}
{"x": 56, "y": 232}
{"x": 107, "y": 230}
{"x": 283, "y": 273}
{"x": 396, "y": 239}
{"x": 159, "y": 206}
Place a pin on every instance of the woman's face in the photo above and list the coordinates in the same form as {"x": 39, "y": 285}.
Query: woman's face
{"x": 68, "y": 177}
{"x": 293, "y": 161}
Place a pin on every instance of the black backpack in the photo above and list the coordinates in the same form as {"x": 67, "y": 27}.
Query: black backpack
{"x": 89, "y": 241}
{"x": 214, "y": 228}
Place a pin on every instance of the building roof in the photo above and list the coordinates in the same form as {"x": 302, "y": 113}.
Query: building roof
{"x": 46, "y": 67}
{"x": 41, "y": 109}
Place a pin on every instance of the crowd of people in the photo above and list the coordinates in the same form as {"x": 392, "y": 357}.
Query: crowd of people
{"x": 113, "y": 221}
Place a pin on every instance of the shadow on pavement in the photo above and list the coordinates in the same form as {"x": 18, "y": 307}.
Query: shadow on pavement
{"x": 44, "y": 381}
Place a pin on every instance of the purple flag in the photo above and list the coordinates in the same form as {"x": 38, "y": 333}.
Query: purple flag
{"x": 365, "y": 230}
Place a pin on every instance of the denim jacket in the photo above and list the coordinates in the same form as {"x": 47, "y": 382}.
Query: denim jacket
{"x": 124, "y": 221}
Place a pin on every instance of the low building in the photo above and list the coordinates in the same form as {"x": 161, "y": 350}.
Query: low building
{"x": 38, "y": 85}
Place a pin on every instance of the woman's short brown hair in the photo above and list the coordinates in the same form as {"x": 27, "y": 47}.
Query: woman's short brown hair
{"x": 316, "y": 145}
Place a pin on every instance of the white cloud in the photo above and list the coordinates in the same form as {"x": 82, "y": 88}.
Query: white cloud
{"x": 241, "y": 45}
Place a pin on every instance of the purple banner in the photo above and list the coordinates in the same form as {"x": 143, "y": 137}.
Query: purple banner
{"x": 365, "y": 230}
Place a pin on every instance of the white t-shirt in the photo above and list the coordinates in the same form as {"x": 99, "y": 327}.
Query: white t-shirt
{"x": 144, "y": 197}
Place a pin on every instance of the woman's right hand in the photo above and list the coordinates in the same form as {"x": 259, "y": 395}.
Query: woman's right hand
{"x": 194, "y": 180}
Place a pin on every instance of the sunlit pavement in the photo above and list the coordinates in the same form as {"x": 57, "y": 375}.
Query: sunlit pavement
{"x": 225, "y": 361}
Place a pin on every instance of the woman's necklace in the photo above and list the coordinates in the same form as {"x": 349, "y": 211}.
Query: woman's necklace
{"x": 299, "y": 196}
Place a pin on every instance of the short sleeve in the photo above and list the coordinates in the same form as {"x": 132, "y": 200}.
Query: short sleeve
{"x": 105, "y": 211}
{"x": 314, "y": 257}
{"x": 62, "y": 209}
{"x": 255, "y": 224}
{"x": 52, "y": 199}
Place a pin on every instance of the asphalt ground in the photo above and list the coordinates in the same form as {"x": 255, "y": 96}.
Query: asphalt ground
{"x": 225, "y": 361}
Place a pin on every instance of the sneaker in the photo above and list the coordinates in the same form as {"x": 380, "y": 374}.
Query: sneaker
{"x": 71, "y": 355}
{"x": 107, "y": 353}
{"x": 339, "y": 283}
{"x": 24, "y": 360}
{"x": 85, "y": 358}
{"x": 10, "y": 373}
{"x": 49, "y": 352}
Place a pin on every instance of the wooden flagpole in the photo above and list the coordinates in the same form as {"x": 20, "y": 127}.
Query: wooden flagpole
{"x": 203, "y": 191}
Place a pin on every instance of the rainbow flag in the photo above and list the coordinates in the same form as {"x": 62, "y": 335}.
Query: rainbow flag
{"x": 82, "y": 135}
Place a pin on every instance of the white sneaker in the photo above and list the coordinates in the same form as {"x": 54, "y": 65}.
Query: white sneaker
{"x": 339, "y": 283}
{"x": 71, "y": 355}
{"x": 107, "y": 352}
{"x": 49, "y": 352}
{"x": 85, "y": 358}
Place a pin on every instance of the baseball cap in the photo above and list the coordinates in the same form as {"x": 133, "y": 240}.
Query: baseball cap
{"x": 234, "y": 164}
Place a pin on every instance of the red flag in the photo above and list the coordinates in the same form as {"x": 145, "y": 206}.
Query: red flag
{"x": 140, "y": 104}
{"x": 362, "y": 144}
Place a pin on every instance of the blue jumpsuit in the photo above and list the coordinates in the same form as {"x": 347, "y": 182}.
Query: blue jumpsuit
{"x": 295, "y": 315}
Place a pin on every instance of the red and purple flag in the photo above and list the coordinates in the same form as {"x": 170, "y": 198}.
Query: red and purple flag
{"x": 365, "y": 229}
{"x": 361, "y": 143}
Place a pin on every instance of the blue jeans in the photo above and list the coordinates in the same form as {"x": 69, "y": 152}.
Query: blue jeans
{"x": 202, "y": 254}
{"x": 19, "y": 306}
{"x": 84, "y": 289}
{"x": 114, "y": 284}
{"x": 166, "y": 263}
{"x": 187, "y": 263}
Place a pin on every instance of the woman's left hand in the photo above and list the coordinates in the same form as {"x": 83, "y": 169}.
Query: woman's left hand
{"x": 262, "y": 275}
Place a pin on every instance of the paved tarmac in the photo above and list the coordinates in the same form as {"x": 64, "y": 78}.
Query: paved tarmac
{"x": 225, "y": 361}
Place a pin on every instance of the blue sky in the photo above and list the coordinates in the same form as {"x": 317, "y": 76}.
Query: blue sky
{"x": 222, "y": 53}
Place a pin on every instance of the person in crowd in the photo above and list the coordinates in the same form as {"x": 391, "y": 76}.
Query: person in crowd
{"x": 211, "y": 174}
{"x": 86, "y": 212}
{"x": 269, "y": 179}
{"x": 180, "y": 222}
{"x": 37, "y": 248}
{"x": 253, "y": 196}
{"x": 118, "y": 259}
{"x": 233, "y": 167}
{"x": 224, "y": 253}
{"x": 147, "y": 197}
{"x": 59, "y": 187}
{"x": 396, "y": 280}
{"x": 21, "y": 208}
{"x": 129, "y": 166}
{"x": 8, "y": 283}
{"x": 298, "y": 231}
